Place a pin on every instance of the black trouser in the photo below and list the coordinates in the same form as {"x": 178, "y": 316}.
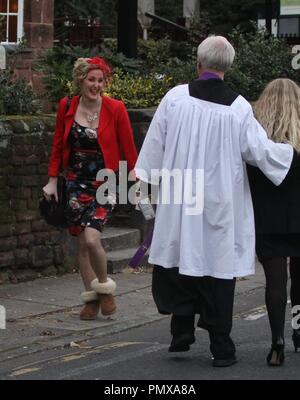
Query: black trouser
{"x": 184, "y": 296}
{"x": 181, "y": 324}
{"x": 221, "y": 344}
{"x": 276, "y": 291}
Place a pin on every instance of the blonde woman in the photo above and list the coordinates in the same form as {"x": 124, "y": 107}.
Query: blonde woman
{"x": 277, "y": 211}
{"x": 93, "y": 132}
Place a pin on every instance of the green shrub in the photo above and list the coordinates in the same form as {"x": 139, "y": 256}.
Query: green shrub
{"x": 139, "y": 91}
{"x": 140, "y": 82}
{"x": 16, "y": 96}
{"x": 154, "y": 53}
{"x": 57, "y": 63}
{"x": 163, "y": 57}
{"x": 259, "y": 59}
{"x": 163, "y": 64}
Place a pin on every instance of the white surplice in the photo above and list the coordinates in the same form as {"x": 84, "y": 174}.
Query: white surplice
{"x": 189, "y": 133}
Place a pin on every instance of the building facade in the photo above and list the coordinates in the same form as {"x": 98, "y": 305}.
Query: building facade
{"x": 29, "y": 22}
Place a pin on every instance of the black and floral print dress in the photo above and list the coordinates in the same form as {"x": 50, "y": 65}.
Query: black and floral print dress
{"x": 86, "y": 160}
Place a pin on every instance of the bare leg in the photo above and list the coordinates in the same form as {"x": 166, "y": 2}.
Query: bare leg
{"x": 97, "y": 255}
{"x": 86, "y": 270}
{"x": 91, "y": 299}
{"x": 104, "y": 286}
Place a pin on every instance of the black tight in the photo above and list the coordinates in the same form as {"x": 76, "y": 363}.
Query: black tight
{"x": 295, "y": 281}
{"x": 276, "y": 292}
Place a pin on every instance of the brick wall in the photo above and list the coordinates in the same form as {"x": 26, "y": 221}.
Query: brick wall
{"x": 39, "y": 35}
{"x": 28, "y": 246}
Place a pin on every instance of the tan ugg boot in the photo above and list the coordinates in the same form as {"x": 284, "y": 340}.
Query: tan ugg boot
{"x": 108, "y": 304}
{"x": 92, "y": 305}
{"x": 105, "y": 291}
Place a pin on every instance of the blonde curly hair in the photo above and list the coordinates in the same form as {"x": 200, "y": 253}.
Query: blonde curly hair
{"x": 83, "y": 66}
{"x": 278, "y": 111}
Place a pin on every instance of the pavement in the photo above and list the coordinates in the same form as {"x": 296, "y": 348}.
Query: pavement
{"x": 44, "y": 314}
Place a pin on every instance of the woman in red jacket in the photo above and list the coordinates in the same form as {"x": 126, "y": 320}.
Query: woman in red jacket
{"x": 92, "y": 133}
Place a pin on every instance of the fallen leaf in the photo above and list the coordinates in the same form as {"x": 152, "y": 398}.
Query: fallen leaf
{"x": 73, "y": 344}
{"x": 47, "y": 333}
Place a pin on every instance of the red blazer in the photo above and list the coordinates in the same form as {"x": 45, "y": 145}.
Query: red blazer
{"x": 114, "y": 135}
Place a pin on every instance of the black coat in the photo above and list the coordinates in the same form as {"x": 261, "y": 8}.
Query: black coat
{"x": 276, "y": 208}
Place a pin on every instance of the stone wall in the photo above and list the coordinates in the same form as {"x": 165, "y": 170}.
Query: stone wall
{"x": 28, "y": 246}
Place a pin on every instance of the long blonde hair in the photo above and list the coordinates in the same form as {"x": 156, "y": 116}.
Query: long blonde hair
{"x": 278, "y": 111}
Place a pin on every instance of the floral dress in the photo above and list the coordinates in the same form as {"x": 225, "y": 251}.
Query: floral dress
{"x": 86, "y": 160}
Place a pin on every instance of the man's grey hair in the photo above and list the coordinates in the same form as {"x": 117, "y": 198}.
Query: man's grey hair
{"x": 215, "y": 52}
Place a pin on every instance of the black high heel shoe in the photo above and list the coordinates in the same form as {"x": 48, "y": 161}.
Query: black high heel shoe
{"x": 276, "y": 356}
{"x": 296, "y": 339}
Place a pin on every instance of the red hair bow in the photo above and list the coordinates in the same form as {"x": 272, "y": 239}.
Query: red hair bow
{"x": 101, "y": 64}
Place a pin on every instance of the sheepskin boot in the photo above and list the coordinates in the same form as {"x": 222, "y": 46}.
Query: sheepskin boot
{"x": 105, "y": 291}
{"x": 92, "y": 305}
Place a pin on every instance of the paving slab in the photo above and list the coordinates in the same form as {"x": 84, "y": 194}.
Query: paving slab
{"x": 49, "y": 294}
{"x": 44, "y": 313}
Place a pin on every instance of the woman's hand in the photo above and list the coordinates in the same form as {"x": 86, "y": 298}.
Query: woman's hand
{"x": 51, "y": 189}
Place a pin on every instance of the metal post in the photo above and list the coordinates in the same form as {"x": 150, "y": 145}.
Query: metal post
{"x": 268, "y": 13}
{"x": 127, "y": 27}
{"x": 2, "y": 57}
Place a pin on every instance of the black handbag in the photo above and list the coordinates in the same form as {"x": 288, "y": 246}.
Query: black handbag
{"x": 54, "y": 211}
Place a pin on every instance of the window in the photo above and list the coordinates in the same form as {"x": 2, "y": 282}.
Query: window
{"x": 11, "y": 20}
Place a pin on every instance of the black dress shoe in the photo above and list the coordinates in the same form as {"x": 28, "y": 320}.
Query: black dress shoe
{"x": 181, "y": 342}
{"x": 226, "y": 362}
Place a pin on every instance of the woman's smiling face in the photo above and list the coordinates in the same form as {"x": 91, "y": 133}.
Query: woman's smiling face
{"x": 93, "y": 84}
